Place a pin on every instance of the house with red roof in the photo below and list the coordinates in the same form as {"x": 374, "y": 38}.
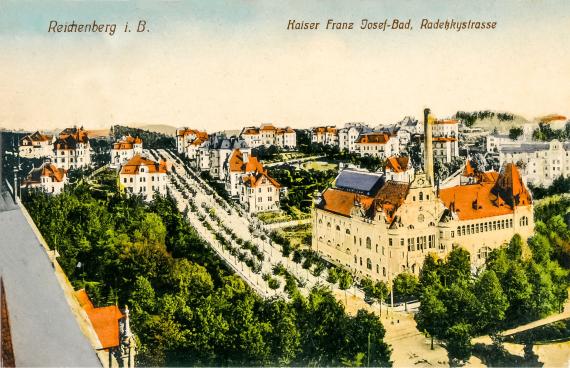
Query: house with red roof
{"x": 399, "y": 168}
{"x": 377, "y": 144}
{"x": 143, "y": 176}
{"x": 71, "y": 149}
{"x": 115, "y": 343}
{"x": 268, "y": 135}
{"x": 47, "y": 177}
{"x": 125, "y": 149}
{"x": 36, "y": 145}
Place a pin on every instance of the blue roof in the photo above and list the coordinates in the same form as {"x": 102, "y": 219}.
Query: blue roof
{"x": 359, "y": 182}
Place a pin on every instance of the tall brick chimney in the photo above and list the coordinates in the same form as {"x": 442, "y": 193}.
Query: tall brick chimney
{"x": 428, "y": 147}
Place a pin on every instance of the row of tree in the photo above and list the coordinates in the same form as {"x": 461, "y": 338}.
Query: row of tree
{"x": 512, "y": 289}
{"x": 187, "y": 308}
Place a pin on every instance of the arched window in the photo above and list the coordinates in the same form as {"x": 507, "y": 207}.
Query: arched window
{"x": 337, "y": 228}
{"x": 414, "y": 268}
{"x": 483, "y": 253}
{"x": 523, "y": 221}
{"x": 348, "y": 251}
{"x": 368, "y": 242}
{"x": 368, "y": 263}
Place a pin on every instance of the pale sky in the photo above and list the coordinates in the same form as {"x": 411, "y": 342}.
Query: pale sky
{"x": 225, "y": 64}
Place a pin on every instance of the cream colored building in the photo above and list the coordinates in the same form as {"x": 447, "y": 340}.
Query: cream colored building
{"x": 378, "y": 228}
{"x": 125, "y": 149}
{"x": 376, "y": 144}
{"x": 47, "y": 177}
{"x": 267, "y": 135}
{"x": 327, "y": 135}
{"x": 540, "y": 162}
{"x": 72, "y": 150}
{"x": 259, "y": 192}
{"x": 188, "y": 140}
{"x": 142, "y": 176}
{"x": 36, "y": 145}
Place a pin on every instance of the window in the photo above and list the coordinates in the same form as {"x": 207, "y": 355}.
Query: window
{"x": 347, "y": 232}
{"x": 361, "y": 261}
{"x": 390, "y": 242}
{"x": 377, "y": 268}
{"x": 355, "y": 260}
{"x": 524, "y": 221}
{"x": 384, "y": 271}
{"x": 421, "y": 196}
{"x": 368, "y": 263}
{"x": 337, "y": 228}
{"x": 368, "y": 243}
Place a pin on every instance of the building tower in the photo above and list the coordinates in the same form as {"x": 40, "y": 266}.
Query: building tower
{"x": 428, "y": 147}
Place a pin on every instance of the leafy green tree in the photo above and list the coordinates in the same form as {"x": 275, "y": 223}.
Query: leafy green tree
{"x": 458, "y": 345}
{"x": 515, "y": 133}
{"x": 406, "y": 286}
{"x": 458, "y": 266}
{"x": 432, "y": 314}
{"x": 493, "y": 302}
{"x": 344, "y": 283}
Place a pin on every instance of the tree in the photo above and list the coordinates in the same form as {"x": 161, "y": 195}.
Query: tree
{"x": 493, "y": 301}
{"x": 459, "y": 343}
{"x": 515, "y": 133}
{"x": 344, "y": 283}
{"x": 432, "y": 314}
{"x": 458, "y": 266}
{"x": 406, "y": 286}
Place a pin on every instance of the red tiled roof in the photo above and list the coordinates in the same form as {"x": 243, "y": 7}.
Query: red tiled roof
{"x": 341, "y": 202}
{"x": 250, "y": 131}
{"x": 36, "y": 137}
{"x": 127, "y": 143}
{"x": 495, "y": 195}
{"x": 446, "y": 121}
{"x": 397, "y": 164}
{"x": 256, "y": 178}
{"x": 236, "y": 163}
{"x": 267, "y": 127}
{"x": 444, "y": 139}
{"x": 374, "y": 138}
{"x": 105, "y": 320}
{"x": 133, "y": 166}
{"x": 47, "y": 169}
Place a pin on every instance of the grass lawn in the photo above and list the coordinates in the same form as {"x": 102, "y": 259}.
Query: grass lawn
{"x": 319, "y": 165}
{"x": 273, "y": 217}
{"x": 299, "y": 236}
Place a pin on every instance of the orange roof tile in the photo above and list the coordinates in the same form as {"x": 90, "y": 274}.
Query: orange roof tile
{"x": 444, "y": 139}
{"x": 446, "y": 121}
{"x": 495, "y": 195}
{"x": 397, "y": 164}
{"x": 236, "y": 163}
{"x": 469, "y": 170}
{"x": 374, "y": 138}
{"x": 251, "y": 131}
{"x": 105, "y": 320}
{"x": 47, "y": 169}
{"x": 267, "y": 127}
{"x": 341, "y": 202}
{"x": 133, "y": 166}
{"x": 256, "y": 178}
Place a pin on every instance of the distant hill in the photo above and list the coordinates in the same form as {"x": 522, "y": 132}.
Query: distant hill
{"x": 157, "y": 128}
{"x": 501, "y": 124}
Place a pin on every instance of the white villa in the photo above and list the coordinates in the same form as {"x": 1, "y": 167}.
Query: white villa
{"x": 142, "y": 176}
